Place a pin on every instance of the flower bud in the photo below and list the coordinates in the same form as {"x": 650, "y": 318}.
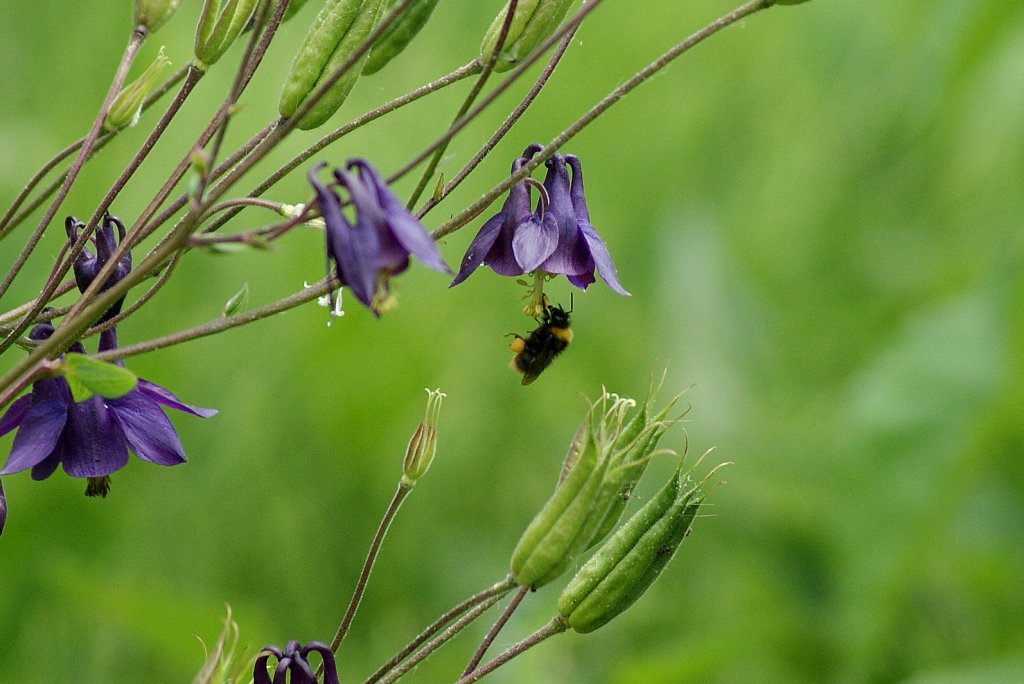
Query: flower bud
{"x": 557, "y": 533}
{"x": 622, "y": 570}
{"x": 153, "y": 13}
{"x": 339, "y": 28}
{"x": 532, "y": 23}
{"x": 399, "y": 33}
{"x": 419, "y": 454}
{"x": 128, "y": 104}
{"x": 219, "y": 25}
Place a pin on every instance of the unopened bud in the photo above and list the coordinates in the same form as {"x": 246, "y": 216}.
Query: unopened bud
{"x": 532, "y": 22}
{"x": 152, "y": 14}
{"x": 128, "y": 104}
{"x": 626, "y": 565}
{"x": 219, "y": 25}
{"x": 399, "y": 33}
{"x": 339, "y": 28}
{"x": 419, "y": 454}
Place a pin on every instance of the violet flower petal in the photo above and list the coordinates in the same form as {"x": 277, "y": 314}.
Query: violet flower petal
{"x": 15, "y": 414}
{"x": 479, "y": 248}
{"x": 164, "y": 396}
{"x": 354, "y": 252}
{"x": 404, "y": 226}
{"x": 92, "y": 442}
{"x": 602, "y": 259}
{"x": 535, "y": 240}
{"x": 38, "y": 435}
{"x": 147, "y": 429}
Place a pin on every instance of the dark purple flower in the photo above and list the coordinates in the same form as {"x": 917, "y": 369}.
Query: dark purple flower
{"x": 91, "y": 439}
{"x": 87, "y": 266}
{"x": 556, "y": 238}
{"x": 294, "y": 661}
{"x": 514, "y": 241}
{"x": 377, "y": 247}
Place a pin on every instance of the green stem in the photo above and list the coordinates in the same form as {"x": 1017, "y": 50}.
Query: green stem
{"x": 473, "y": 210}
{"x": 497, "y": 590}
{"x": 556, "y": 626}
{"x": 493, "y": 633}
{"x": 138, "y": 36}
{"x": 478, "y": 87}
{"x": 371, "y": 556}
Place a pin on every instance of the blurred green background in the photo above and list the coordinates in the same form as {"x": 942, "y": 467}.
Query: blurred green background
{"x": 819, "y": 214}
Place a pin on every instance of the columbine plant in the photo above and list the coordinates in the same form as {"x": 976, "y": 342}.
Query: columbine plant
{"x": 86, "y": 412}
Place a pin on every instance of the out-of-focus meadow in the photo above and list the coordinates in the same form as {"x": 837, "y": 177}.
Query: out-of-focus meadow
{"x": 819, "y": 214}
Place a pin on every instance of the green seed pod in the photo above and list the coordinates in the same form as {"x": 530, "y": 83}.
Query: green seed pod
{"x": 532, "y": 23}
{"x": 399, "y": 33}
{"x": 555, "y": 535}
{"x": 339, "y": 28}
{"x": 219, "y": 25}
{"x": 623, "y": 569}
{"x": 127, "y": 105}
{"x": 153, "y": 13}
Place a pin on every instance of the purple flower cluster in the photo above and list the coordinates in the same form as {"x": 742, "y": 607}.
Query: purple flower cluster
{"x": 92, "y": 438}
{"x": 556, "y": 237}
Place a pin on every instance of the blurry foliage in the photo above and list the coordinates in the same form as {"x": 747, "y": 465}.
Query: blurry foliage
{"x": 819, "y": 214}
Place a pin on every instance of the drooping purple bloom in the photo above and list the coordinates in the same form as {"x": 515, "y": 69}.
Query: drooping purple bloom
{"x": 87, "y": 266}
{"x": 3, "y": 508}
{"x": 294, "y": 661}
{"x": 91, "y": 438}
{"x": 515, "y": 240}
{"x": 377, "y": 246}
{"x": 555, "y": 238}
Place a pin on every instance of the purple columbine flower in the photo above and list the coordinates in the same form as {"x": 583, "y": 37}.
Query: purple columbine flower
{"x": 556, "y": 238}
{"x": 91, "y": 439}
{"x": 3, "y": 508}
{"x": 294, "y": 661}
{"x": 88, "y": 265}
{"x": 377, "y": 247}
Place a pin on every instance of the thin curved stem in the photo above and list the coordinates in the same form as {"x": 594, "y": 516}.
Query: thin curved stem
{"x": 138, "y": 36}
{"x": 221, "y": 324}
{"x": 496, "y": 590}
{"x": 338, "y": 133}
{"x": 470, "y": 98}
{"x": 556, "y": 626}
{"x": 473, "y": 210}
{"x": 438, "y": 641}
{"x": 371, "y": 556}
{"x": 505, "y": 127}
{"x": 495, "y": 629}
{"x": 8, "y": 222}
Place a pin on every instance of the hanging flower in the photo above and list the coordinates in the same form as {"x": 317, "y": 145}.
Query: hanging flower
{"x": 91, "y": 438}
{"x": 377, "y": 246}
{"x": 294, "y": 661}
{"x": 555, "y": 239}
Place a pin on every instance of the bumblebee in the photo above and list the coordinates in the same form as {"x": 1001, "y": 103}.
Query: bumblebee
{"x": 536, "y": 352}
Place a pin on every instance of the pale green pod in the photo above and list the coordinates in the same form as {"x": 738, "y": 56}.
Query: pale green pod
{"x": 339, "y": 28}
{"x": 626, "y": 566}
{"x": 550, "y": 541}
{"x": 399, "y": 33}
{"x": 128, "y": 104}
{"x": 532, "y": 23}
{"x": 219, "y": 26}
{"x": 153, "y": 13}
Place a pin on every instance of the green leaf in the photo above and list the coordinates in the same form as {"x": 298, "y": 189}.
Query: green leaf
{"x": 87, "y": 376}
